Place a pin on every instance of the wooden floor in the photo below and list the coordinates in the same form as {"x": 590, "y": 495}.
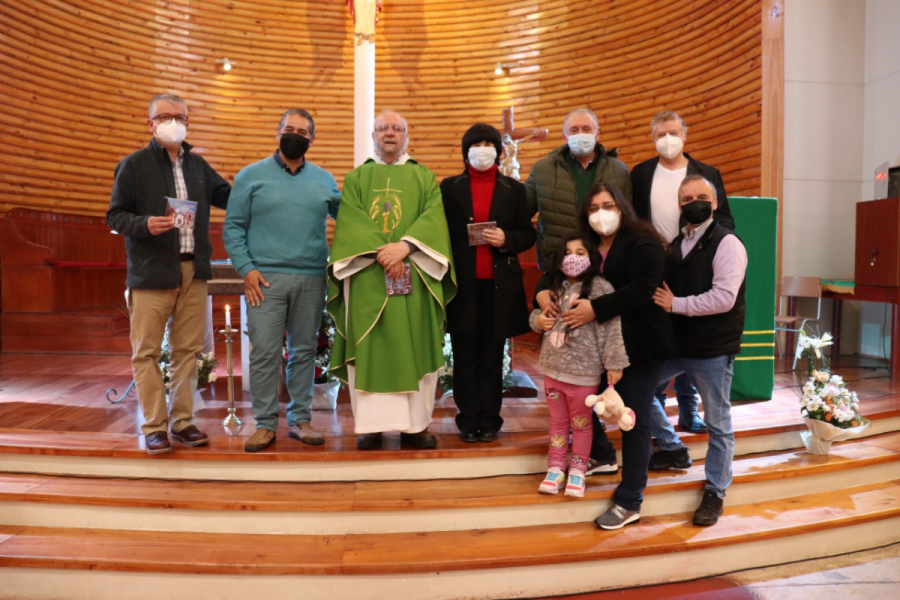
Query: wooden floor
{"x": 80, "y": 495}
{"x": 66, "y": 393}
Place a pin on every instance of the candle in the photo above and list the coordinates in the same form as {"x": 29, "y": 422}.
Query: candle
{"x": 227, "y": 317}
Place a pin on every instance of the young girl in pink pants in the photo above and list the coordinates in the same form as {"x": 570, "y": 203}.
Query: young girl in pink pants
{"x": 574, "y": 359}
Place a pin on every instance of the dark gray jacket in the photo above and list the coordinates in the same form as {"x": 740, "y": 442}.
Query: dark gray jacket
{"x": 144, "y": 180}
{"x": 551, "y": 189}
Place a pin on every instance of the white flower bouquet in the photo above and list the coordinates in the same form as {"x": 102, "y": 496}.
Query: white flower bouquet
{"x": 810, "y": 348}
{"x": 830, "y": 410}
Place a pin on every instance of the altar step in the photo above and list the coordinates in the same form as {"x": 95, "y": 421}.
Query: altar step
{"x": 360, "y": 507}
{"x": 337, "y": 460}
{"x": 486, "y": 563}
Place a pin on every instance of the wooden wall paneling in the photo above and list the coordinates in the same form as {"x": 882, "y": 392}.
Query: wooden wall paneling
{"x": 94, "y": 64}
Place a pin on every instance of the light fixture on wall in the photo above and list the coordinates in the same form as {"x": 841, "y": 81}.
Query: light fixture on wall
{"x": 502, "y": 69}
{"x": 227, "y": 65}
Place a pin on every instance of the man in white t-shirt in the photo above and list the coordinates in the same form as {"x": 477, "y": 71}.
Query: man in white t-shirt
{"x": 655, "y": 185}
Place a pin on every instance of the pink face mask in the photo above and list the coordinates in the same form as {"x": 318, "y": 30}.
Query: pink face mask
{"x": 574, "y": 265}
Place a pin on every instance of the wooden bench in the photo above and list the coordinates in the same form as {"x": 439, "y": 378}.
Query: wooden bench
{"x": 52, "y": 262}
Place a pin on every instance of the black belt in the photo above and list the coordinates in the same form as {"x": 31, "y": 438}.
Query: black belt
{"x": 186, "y": 256}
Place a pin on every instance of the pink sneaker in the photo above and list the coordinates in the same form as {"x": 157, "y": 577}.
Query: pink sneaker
{"x": 575, "y": 485}
{"x": 553, "y": 482}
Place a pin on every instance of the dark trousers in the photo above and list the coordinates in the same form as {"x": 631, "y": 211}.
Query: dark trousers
{"x": 636, "y": 388}
{"x": 478, "y": 367}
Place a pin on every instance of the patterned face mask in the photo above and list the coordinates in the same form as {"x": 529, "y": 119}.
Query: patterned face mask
{"x": 574, "y": 265}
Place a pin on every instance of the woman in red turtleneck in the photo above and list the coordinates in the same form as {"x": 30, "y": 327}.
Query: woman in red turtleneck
{"x": 490, "y": 305}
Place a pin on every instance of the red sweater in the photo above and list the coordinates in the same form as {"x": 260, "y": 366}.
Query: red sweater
{"x": 483, "y": 183}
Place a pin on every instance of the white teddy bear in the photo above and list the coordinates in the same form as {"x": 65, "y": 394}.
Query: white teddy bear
{"x": 609, "y": 404}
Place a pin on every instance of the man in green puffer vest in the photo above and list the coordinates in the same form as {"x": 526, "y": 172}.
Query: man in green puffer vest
{"x": 558, "y": 182}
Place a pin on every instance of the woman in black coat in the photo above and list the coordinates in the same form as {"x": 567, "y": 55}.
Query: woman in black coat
{"x": 634, "y": 259}
{"x": 490, "y": 305}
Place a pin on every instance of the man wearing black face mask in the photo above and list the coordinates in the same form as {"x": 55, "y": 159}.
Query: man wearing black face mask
{"x": 275, "y": 233}
{"x": 703, "y": 290}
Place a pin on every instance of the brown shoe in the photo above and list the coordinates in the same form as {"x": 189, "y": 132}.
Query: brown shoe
{"x": 306, "y": 434}
{"x": 157, "y": 443}
{"x": 420, "y": 440}
{"x": 191, "y": 436}
{"x": 368, "y": 441}
{"x": 260, "y": 440}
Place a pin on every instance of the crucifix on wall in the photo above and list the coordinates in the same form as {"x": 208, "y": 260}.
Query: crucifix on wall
{"x": 509, "y": 166}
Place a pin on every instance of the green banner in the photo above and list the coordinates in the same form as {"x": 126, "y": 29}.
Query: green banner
{"x": 756, "y": 223}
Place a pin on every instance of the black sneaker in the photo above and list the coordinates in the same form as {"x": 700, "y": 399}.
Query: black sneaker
{"x": 670, "y": 459}
{"x": 709, "y": 510}
{"x": 595, "y": 467}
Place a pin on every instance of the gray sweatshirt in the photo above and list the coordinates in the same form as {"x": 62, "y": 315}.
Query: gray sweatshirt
{"x": 580, "y": 356}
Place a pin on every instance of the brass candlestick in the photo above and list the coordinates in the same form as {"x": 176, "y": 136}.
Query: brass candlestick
{"x": 232, "y": 419}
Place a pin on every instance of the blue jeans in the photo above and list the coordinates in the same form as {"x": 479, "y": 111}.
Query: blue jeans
{"x": 636, "y": 388}
{"x": 686, "y": 394}
{"x": 293, "y": 304}
{"x": 712, "y": 376}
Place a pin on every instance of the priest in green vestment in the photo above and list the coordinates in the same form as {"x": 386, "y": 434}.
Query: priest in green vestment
{"x": 390, "y": 278}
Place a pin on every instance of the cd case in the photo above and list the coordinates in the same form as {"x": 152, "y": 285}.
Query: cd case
{"x": 400, "y": 287}
{"x": 184, "y": 211}
{"x": 476, "y": 232}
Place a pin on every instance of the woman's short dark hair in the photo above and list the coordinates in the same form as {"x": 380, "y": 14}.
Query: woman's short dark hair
{"x": 481, "y": 132}
{"x": 630, "y": 219}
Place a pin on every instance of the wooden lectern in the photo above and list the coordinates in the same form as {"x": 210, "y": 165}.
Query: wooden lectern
{"x": 878, "y": 243}
{"x": 877, "y": 272}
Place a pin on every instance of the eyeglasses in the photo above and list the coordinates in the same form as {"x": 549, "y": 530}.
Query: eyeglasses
{"x": 166, "y": 118}
{"x": 605, "y": 206}
{"x": 384, "y": 127}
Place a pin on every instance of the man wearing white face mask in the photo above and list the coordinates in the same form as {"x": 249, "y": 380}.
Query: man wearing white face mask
{"x": 655, "y": 183}
{"x": 167, "y": 268}
{"x": 559, "y": 182}
{"x": 490, "y": 304}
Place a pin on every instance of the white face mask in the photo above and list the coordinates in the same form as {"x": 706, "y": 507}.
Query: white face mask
{"x": 171, "y": 133}
{"x": 582, "y": 144}
{"x": 482, "y": 157}
{"x": 605, "y": 222}
{"x": 669, "y": 146}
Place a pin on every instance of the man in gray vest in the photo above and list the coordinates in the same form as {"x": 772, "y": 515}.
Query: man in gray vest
{"x": 703, "y": 290}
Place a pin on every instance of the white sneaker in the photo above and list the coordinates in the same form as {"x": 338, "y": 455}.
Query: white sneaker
{"x": 575, "y": 485}
{"x": 553, "y": 482}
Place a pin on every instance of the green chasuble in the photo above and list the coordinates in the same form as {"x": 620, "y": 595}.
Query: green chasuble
{"x": 392, "y": 341}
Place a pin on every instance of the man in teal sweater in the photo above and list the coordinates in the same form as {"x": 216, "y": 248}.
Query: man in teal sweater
{"x": 275, "y": 234}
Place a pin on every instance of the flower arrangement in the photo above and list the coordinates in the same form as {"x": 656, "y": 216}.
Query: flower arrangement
{"x": 445, "y": 373}
{"x": 323, "y": 349}
{"x": 826, "y": 398}
{"x": 810, "y": 348}
{"x": 206, "y": 364}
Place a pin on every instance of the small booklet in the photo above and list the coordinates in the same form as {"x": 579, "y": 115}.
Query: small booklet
{"x": 476, "y": 232}
{"x": 400, "y": 287}
{"x": 184, "y": 211}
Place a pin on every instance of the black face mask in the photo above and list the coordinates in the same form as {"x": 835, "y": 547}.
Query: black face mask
{"x": 696, "y": 212}
{"x": 293, "y": 145}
